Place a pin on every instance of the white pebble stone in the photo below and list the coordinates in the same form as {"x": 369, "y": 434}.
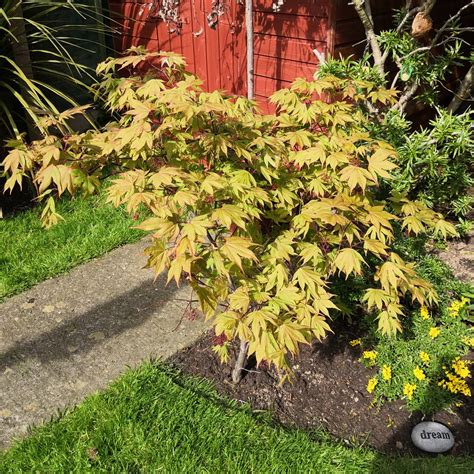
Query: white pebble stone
{"x": 432, "y": 437}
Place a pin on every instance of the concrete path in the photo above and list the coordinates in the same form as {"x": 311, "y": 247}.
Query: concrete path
{"x": 71, "y": 335}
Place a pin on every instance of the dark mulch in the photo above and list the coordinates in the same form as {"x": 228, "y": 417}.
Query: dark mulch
{"x": 329, "y": 390}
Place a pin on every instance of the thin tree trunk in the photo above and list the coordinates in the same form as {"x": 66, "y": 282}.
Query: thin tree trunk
{"x": 365, "y": 14}
{"x": 249, "y": 30}
{"x": 240, "y": 362}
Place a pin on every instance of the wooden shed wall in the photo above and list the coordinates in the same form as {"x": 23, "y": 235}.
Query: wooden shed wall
{"x": 284, "y": 40}
{"x": 349, "y": 31}
{"x": 217, "y": 56}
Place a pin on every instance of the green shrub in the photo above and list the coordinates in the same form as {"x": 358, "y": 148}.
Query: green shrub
{"x": 435, "y": 163}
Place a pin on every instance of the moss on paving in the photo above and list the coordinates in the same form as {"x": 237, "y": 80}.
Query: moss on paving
{"x": 155, "y": 420}
{"x": 30, "y": 254}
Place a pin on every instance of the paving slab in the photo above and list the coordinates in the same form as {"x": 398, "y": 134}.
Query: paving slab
{"x": 72, "y": 335}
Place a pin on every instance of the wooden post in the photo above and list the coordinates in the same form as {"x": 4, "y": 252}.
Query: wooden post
{"x": 249, "y": 30}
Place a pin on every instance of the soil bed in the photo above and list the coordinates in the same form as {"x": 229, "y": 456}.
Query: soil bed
{"x": 329, "y": 390}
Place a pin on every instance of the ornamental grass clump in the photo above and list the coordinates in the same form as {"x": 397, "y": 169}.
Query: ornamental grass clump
{"x": 260, "y": 214}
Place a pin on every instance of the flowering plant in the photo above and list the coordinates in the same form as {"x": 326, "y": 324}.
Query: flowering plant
{"x": 425, "y": 365}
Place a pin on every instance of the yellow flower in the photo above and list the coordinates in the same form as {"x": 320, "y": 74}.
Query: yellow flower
{"x": 408, "y": 390}
{"x": 386, "y": 372}
{"x": 424, "y": 357}
{"x": 456, "y": 306}
{"x": 356, "y": 342}
{"x": 468, "y": 341}
{"x": 434, "y": 332}
{"x": 424, "y": 313}
{"x": 370, "y": 355}
{"x": 419, "y": 374}
{"x": 455, "y": 385}
{"x": 460, "y": 368}
{"x": 371, "y": 384}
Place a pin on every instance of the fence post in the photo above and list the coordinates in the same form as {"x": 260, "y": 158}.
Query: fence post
{"x": 249, "y": 30}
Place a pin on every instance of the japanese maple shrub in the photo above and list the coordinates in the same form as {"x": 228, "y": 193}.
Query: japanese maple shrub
{"x": 260, "y": 214}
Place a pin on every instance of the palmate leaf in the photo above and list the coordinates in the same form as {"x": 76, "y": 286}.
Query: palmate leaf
{"x": 349, "y": 261}
{"x": 375, "y": 246}
{"x": 413, "y": 224}
{"x": 240, "y": 300}
{"x": 310, "y": 252}
{"x": 266, "y": 347}
{"x": 237, "y": 248}
{"x": 230, "y": 215}
{"x": 277, "y": 277}
{"x": 445, "y": 229}
{"x": 356, "y": 176}
{"x": 207, "y": 299}
{"x": 213, "y": 182}
{"x": 197, "y": 228}
{"x": 377, "y": 298}
{"x": 379, "y": 165}
{"x": 312, "y": 320}
{"x": 290, "y": 335}
{"x": 323, "y": 303}
{"x": 259, "y": 321}
{"x": 286, "y": 298}
{"x": 226, "y": 323}
{"x": 158, "y": 256}
{"x": 308, "y": 280}
{"x": 389, "y": 323}
{"x": 390, "y": 275}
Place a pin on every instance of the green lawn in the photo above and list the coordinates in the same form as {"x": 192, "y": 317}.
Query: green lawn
{"x": 154, "y": 420}
{"x": 30, "y": 254}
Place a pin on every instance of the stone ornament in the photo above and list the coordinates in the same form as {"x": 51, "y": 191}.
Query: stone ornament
{"x": 432, "y": 437}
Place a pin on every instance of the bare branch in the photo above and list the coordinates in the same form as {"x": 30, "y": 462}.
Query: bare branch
{"x": 365, "y": 14}
{"x": 463, "y": 92}
{"x": 450, "y": 20}
{"x": 411, "y": 90}
{"x": 406, "y": 96}
{"x": 427, "y": 6}
{"x": 409, "y": 14}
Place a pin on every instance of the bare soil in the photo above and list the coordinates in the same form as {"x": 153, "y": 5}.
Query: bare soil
{"x": 329, "y": 390}
{"x": 459, "y": 255}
